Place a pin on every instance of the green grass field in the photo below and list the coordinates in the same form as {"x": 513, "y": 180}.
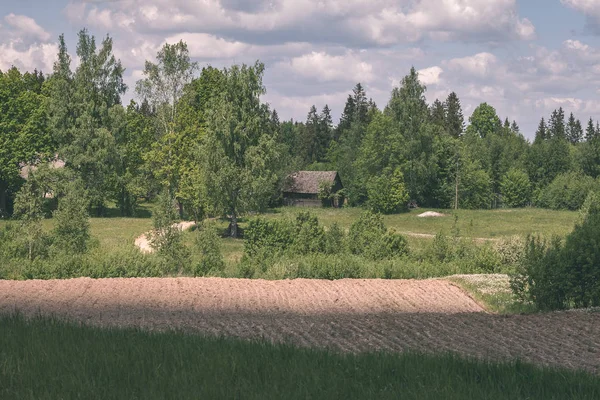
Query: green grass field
{"x": 47, "y": 359}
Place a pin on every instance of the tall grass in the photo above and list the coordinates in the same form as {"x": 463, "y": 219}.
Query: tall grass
{"x": 47, "y": 359}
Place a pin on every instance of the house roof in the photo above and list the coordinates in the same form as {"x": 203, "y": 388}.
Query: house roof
{"x": 26, "y": 169}
{"x": 308, "y": 181}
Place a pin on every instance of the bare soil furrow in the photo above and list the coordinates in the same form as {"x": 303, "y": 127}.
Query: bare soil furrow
{"x": 347, "y": 315}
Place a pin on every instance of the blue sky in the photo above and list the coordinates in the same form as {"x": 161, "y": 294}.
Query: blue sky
{"x": 524, "y": 57}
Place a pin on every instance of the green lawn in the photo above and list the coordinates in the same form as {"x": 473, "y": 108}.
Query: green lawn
{"x": 118, "y": 232}
{"x": 471, "y": 223}
{"x": 46, "y": 359}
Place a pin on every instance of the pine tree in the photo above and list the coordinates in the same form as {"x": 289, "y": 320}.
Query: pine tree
{"x": 325, "y": 132}
{"x": 515, "y": 128}
{"x": 346, "y": 118}
{"x": 578, "y": 132}
{"x": 542, "y": 132}
{"x": 455, "y": 121}
{"x": 437, "y": 112}
{"x": 573, "y": 130}
{"x": 361, "y": 104}
{"x": 556, "y": 126}
{"x": 590, "y": 131}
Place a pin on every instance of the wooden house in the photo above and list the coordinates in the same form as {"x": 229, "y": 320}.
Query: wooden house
{"x": 302, "y": 188}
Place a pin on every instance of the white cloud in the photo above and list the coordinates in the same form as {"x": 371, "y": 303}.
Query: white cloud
{"x": 588, "y": 7}
{"x": 37, "y": 56}
{"x": 206, "y": 46}
{"x": 481, "y": 65}
{"x": 324, "y": 67}
{"x": 430, "y": 76}
{"x": 366, "y": 22}
{"x": 24, "y": 44}
{"x": 24, "y": 27}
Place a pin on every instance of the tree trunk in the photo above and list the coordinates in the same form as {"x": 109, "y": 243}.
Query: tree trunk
{"x": 3, "y": 210}
{"x": 180, "y": 208}
{"x": 233, "y": 226}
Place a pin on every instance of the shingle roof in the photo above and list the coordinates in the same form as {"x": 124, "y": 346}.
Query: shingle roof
{"x": 26, "y": 169}
{"x": 308, "y": 181}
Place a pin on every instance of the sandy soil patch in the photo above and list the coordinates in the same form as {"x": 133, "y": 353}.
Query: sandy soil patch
{"x": 431, "y": 214}
{"x": 143, "y": 241}
{"x": 346, "y": 315}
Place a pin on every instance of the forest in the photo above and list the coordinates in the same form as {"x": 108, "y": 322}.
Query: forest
{"x": 204, "y": 138}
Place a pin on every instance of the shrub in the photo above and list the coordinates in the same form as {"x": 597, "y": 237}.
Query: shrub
{"x": 510, "y": 252}
{"x": 308, "y": 234}
{"x": 167, "y": 238}
{"x": 559, "y": 275}
{"x": 387, "y": 193}
{"x": 335, "y": 240}
{"x": 274, "y": 236}
{"x": 516, "y": 189}
{"x": 567, "y": 191}
{"x": 369, "y": 237}
{"x": 72, "y": 229}
{"x": 209, "y": 246}
{"x": 440, "y": 249}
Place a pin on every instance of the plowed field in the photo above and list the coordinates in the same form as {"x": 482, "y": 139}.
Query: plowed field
{"x": 347, "y": 315}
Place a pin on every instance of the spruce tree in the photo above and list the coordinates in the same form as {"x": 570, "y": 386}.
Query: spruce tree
{"x": 542, "y": 132}
{"x": 515, "y": 128}
{"x": 325, "y": 132}
{"x": 437, "y": 113}
{"x": 556, "y": 126}
{"x": 573, "y": 130}
{"x": 455, "y": 121}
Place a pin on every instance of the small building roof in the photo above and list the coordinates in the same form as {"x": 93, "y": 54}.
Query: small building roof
{"x": 26, "y": 169}
{"x": 307, "y": 182}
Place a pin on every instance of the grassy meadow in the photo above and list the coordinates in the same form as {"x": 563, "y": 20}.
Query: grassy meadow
{"x": 113, "y": 253}
{"x": 49, "y": 359}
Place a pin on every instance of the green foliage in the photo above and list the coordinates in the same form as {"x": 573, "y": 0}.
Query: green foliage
{"x": 559, "y": 275}
{"x": 71, "y": 233}
{"x": 516, "y": 189}
{"x": 370, "y": 238}
{"x": 387, "y": 193}
{"x": 209, "y": 245}
{"x": 166, "y": 238}
{"x": 272, "y": 236}
{"x": 334, "y": 240}
{"x": 484, "y": 121}
{"x": 308, "y": 235}
{"x": 567, "y": 192}
{"x": 24, "y": 133}
{"x": 475, "y": 189}
{"x": 241, "y": 153}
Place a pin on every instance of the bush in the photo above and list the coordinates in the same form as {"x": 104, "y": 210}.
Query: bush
{"x": 369, "y": 237}
{"x": 559, "y": 275}
{"x": 516, "y": 189}
{"x": 275, "y": 236}
{"x": 72, "y": 230}
{"x": 511, "y": 252}
{"x": 335, "y": 240}
{"x": 308, "y": 235}
{"x": 567, "y": 192}
{"x": 167, "y": 238}
{"x": 209, "y": 246}
{"x": 387, "y": 193}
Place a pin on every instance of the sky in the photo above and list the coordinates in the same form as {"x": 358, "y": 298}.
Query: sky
{"x": 524, "y": 57}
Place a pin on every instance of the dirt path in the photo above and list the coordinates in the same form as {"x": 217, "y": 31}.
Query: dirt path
{"x": 347, "y": 315}
{"x": 143, "y": 241}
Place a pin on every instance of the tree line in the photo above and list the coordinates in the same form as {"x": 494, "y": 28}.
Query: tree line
{"x": 206, "y": 139}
